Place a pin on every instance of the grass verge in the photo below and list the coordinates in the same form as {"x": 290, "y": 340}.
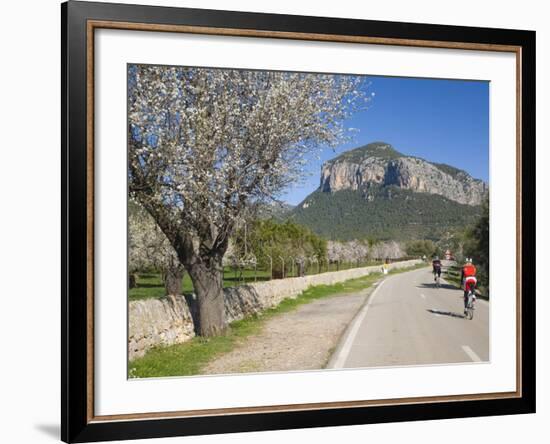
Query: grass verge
{"x": 452, "y": 276}
{"x": 190, "y": 357}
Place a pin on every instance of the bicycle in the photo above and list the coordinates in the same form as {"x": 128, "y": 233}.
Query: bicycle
{"x": 437, "y": 279}
{"x": 470, "y": 306}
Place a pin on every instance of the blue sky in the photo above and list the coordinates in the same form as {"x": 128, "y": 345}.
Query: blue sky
{"x": 444, "y": 121}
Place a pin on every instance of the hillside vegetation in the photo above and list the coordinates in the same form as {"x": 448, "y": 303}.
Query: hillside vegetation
{"x": 391, "y": 213}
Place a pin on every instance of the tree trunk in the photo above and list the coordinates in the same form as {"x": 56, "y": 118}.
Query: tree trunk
{"x": 301, "y": 269}
{"x": 172, "y": 280}
{"x": 208, "y": 286}
{"x": 132, "y": 280}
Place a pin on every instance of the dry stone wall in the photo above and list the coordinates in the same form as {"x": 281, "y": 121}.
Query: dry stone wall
{"x": 169, "y": 321}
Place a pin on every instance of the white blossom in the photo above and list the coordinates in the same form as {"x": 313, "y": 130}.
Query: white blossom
{"x": 205, "y": 143}
{"x": 360, "y": 251}
{"x": 149, "y": 249}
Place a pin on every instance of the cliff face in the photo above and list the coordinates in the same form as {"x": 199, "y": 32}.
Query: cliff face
{"x": 380, "y": 164}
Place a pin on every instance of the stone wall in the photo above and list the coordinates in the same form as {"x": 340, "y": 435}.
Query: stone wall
{"x": 169, "y": 320}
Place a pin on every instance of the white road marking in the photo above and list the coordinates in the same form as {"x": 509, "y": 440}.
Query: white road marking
{"x": 423, "y": 296}
{"x": 473, "y": 356}
{"x": 346, "y": 348}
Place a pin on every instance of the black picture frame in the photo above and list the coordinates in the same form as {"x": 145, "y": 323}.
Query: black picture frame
{"x": 77, "y": 425}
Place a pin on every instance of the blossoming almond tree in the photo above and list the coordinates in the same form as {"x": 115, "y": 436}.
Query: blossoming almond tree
{"x": 358, "y": 250}
{"x": 150, "y": 249}
{"x": 388, "y": 250}
{"x": 206, "y": 143}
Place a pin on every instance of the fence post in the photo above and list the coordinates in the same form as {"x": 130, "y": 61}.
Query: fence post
{"x": 270, "y": 267}
{"x": 283, "y": 262}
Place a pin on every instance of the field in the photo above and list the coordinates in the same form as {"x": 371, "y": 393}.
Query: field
{"x": 149, "y": 285}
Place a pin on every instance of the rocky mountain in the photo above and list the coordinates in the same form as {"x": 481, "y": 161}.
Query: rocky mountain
{"x": 380, "y": 164}
{"x": 375, "y": 191}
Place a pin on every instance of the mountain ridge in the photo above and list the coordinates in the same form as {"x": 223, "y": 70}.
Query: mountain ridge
{"x": 376, "y": 191}
{"x": 380, "y": 164}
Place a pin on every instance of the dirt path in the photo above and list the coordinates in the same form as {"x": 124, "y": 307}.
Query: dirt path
{"x": 302, "y": 339}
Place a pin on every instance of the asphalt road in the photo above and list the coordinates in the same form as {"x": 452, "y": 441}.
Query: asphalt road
{"x": 407, "y": 321}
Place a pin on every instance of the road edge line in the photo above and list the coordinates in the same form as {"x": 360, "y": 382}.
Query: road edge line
{"x": 340, "y": 357}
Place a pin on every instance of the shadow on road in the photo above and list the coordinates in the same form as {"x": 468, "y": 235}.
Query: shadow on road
{"x": 432, "y": 285}
{"x": 445, "y": 313}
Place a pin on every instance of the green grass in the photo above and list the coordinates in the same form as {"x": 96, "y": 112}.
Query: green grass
{"x": 190, "y": 357}
{"x": 150, "y": 286}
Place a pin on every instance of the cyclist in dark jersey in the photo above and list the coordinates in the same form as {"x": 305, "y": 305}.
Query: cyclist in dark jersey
{"x": 436, "y": 264}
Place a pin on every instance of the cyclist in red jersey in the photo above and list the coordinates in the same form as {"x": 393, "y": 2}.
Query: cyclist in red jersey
{"x": 468, "y": 279}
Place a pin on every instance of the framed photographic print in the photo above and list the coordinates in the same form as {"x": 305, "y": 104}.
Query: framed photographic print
{"x": 276, "y": 221}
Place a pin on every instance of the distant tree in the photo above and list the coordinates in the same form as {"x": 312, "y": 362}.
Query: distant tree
{"x": 477, "y": 244}
{"x": 454, "y": 242}
{"x": 387, "y": 250}
{"x": 336, "y": 251}
{"x": 395, "y": 250}
{"x": 419, "y": 248}
{"x": 273, "y": 244}
{"x": 363, "y": 250}
{"x": 238, "y": 255}
{"x": 206, "y": 143}
{"x": 348, "y": 251}
{"x": 357, "y": 251}
{"x": 149, "y": 250}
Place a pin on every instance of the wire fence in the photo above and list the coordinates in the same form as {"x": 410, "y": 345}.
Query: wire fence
{"x": 282, "y": 268}
{"x": 151, "y": 284}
